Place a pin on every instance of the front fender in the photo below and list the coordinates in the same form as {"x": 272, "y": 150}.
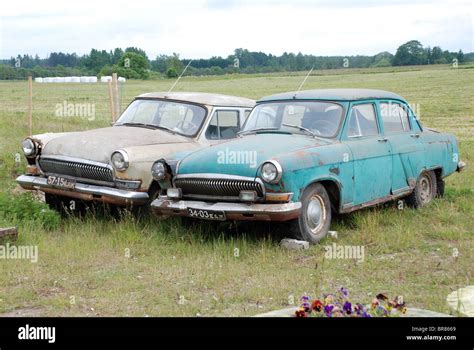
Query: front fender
{"x": 325, "y": 163}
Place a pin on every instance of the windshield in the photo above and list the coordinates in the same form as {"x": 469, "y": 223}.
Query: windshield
{"x": 304, "y": 117}
{"x": 179, "y": 117}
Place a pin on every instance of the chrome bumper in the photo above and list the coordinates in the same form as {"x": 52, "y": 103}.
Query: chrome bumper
{"x": 85, "y": 191}
{"x": 233, "y": 211}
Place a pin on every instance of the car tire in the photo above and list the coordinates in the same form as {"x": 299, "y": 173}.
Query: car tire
{"x": 315, "y": 219}
{"x": 425, "y": 190}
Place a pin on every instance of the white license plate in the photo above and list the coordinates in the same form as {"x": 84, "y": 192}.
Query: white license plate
{"x": 206, "y": 214}
{"x": 61, "y": 182}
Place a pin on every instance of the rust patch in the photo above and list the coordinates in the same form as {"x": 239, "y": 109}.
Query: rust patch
{"x": 335, "y": 170}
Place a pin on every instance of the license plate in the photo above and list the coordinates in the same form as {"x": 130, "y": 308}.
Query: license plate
{"x": 62, "y": 182}
{"x": 206, "y": 214}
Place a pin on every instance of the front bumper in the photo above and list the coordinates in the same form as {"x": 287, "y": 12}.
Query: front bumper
{"x": 461, "y": 166}
{"x": 85, "y": 191}
{"x": 233, "y": 211}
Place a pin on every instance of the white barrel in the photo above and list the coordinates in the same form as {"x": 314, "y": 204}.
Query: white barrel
{"x": 121, "y": 79}
{"x": 68, "y": 79}
{"x": 92, "y": 79}
{"x": 105, "y": 79}
{"x": 84, "y": 79}
{"x": 47, "y": 80}
{"x": 38, "y": 80}
{"x": 75, "y": 80}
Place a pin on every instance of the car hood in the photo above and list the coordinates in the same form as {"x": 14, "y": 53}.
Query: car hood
{"x": 99, "y": 144}
{"x": 244, "y": 155}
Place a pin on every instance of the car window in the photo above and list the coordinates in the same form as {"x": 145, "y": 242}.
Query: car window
{"x": 317, "y": 117}
{"x": 394, "y": 117}
{"x": 362, "y": 121}
{"x": 181, "y": 117}
{"x": 246, "y": 115}
{"x": 224, "y": 125}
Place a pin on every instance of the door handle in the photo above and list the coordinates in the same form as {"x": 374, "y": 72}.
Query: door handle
{"x": 415, "y": 135}
{"x": 382, "y": 140}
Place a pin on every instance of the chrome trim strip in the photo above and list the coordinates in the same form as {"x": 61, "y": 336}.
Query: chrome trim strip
{"x": 214, "y": 176}
{"x": 165, "y": 203}
{"x": 36, "y": 182}
{"x": 77, "y": 160}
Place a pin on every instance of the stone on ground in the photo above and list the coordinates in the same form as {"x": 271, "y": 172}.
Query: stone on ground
{"x": 462, "y": 301}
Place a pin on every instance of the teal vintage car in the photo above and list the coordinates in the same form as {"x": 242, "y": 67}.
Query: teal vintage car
{"x": 303, "y": 156}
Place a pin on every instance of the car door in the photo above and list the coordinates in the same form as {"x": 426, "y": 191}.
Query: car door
{"x": 370, "y": 154}
{"x": 404, "y": 141}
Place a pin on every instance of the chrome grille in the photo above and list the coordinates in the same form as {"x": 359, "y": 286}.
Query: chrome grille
{"x": 76, "y": 169}
{"x": 215, "y": 187}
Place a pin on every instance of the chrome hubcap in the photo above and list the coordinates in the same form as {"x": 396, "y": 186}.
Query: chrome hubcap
{"x": 425, "y": 189}
{"x": 315, "y": 213}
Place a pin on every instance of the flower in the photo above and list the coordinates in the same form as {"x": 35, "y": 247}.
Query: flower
{"x": 317, "y": 305}
{"x": 344, "y": 292}
{"x": 339, "y": 305}
{"x": 347, "y": 307}
{"x": 328, "y": 309}
{"x": 300, "y": 312}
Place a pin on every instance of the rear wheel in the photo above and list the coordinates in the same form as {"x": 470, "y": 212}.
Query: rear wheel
{"x": 315, "y": 219}
{"x": 425, "y": 190}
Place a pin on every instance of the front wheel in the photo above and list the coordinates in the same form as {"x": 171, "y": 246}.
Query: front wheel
{"x": 315, "y": 218}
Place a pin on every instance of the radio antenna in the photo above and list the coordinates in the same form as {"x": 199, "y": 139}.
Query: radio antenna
{"x": 182, "y": 73}
{"x": 306, "y": 77}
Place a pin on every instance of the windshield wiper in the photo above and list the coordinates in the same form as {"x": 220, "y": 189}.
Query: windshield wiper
{"x": 243, "y": 132}
{"x": 302, "y": 128}
{"x": 149, "y": 126}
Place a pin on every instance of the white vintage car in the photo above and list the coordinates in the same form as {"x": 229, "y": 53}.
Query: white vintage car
{"x": 112, "y": 165}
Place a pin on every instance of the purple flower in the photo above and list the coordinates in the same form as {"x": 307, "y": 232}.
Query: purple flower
{"x": 328, "y": 309}
{"x": 344, "y": 292}
{"x": 347, "y": 308}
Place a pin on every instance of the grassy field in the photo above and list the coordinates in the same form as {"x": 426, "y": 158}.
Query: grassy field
{"x": 106, "y": 267}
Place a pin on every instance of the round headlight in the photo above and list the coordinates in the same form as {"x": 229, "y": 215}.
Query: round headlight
{"x": 120, "y": 160}
{"x": 271, "y": 172}
{"x": 158, "y": 170}
{"x": 29, "y": 147}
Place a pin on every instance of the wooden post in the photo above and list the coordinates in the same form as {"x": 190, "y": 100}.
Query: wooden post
{"x": 112, "y": 103}
{"x": 116, "y": 95}
{"x": 30, "y": 105}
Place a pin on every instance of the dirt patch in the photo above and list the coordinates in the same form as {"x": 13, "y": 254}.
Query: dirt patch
{"x": 24, "y": 312}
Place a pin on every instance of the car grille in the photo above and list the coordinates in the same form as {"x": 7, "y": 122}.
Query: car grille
{"x": 202, "y": 187}
{"x": 76, "y": 169}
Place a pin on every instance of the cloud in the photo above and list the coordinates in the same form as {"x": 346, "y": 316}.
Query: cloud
{"x": 210, "y": 28}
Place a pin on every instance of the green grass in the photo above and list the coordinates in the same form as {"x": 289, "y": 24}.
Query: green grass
{"x": 129, "y": 267}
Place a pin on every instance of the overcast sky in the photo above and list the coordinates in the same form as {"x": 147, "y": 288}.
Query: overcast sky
{"x": 216, "y": 27}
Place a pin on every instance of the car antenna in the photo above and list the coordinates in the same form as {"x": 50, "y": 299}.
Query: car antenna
{"x": 176, "y": 82}
{"x": 304, "y": 80}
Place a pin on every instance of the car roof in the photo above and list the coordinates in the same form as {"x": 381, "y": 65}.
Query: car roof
{"x": 333, "y": 95}
{"x": 202, "y": 98}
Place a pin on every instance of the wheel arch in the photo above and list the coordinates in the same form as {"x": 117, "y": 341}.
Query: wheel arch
{"x": 332, "y": 187}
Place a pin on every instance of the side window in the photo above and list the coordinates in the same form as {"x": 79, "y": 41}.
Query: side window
{"x": 224, "y": 125}
{"x": 394, "y": 117}
{"x": 362, "y": 121}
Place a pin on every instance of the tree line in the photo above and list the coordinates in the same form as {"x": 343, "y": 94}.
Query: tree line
{"x": 134, "y": 63}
